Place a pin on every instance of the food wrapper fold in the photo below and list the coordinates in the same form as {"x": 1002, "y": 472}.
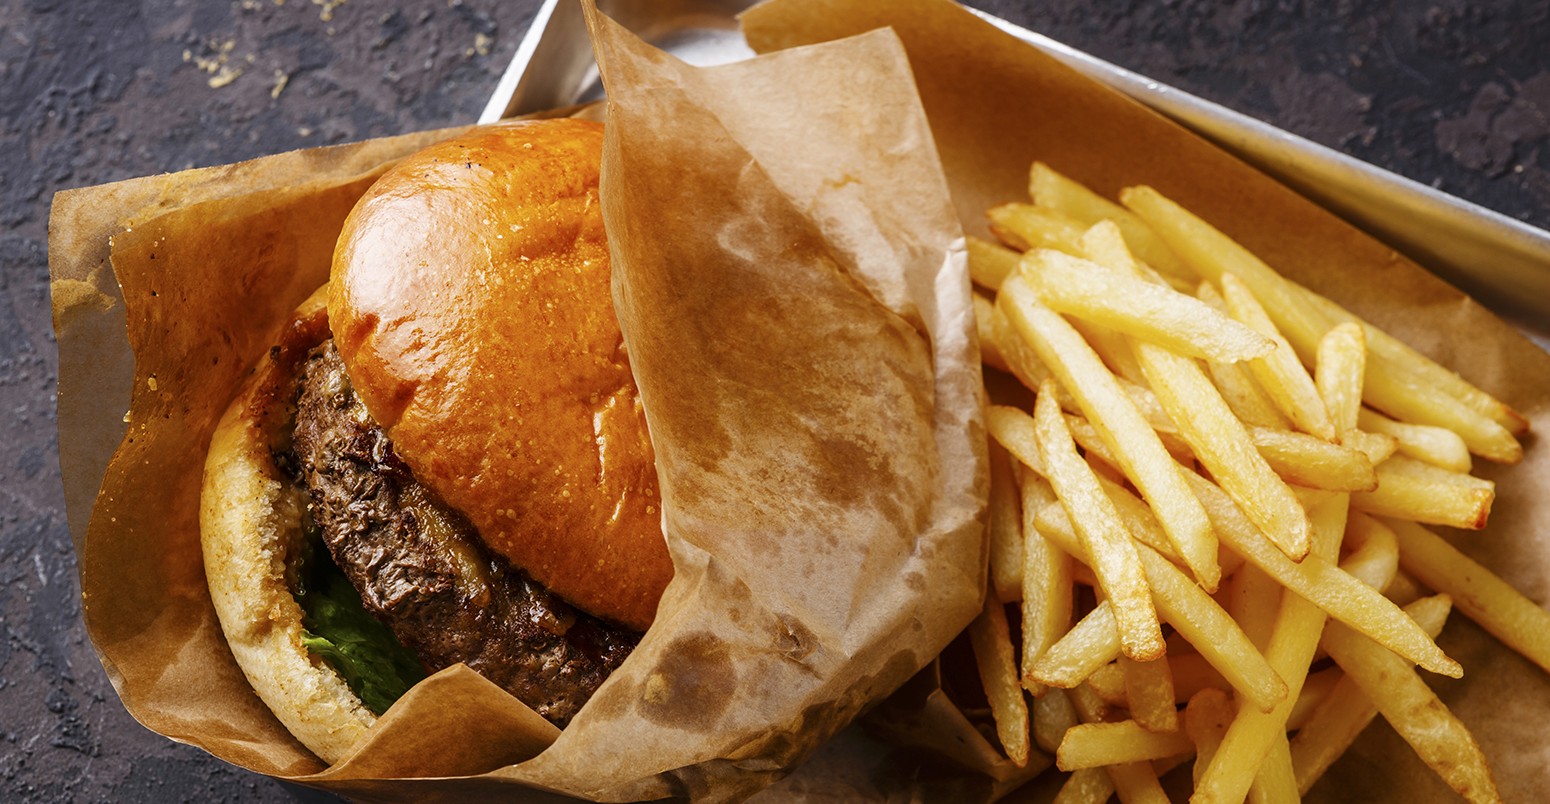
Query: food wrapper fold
{"x": 790, "y": 278}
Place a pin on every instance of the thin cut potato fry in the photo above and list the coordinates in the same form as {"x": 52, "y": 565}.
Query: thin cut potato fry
{"x": 1320, "y": 581}
{"x": 1112, "y": 347}
{"x": 1092, "y": 443}
{"x": 1138, "y": 518}
{"x": 1051, "y": 189}
{"x": 1437, "y": 446}
{"x": 1247, "y": 400}
{"x": 1318, "y": 687}
{"x": 990, "y": 263}
{"x": 1108, "y": 682}
{"x": 1232, "y": 770}
{"x": 1409, "y": 399}
{"x": 1026, "y": 227}
{"x": 1338, "y": 372}
{"x": 1222, "y": 444}
{"x": 1016, "y": 356}
{"x": 1482, "y": 596}
{"x": 1108, "y": 545}
{"x": 1144, "y": 460}
{"x": 992, "y": 645}
{"x": 1139, "y": 308}
{"x": 1376, "y": 446}
{"x": 1279, "y": 373}
{"x": 1404, "y": 358}
{"x": 1192, "y": 673}
{"x": 984, "y": 325}
{"x": 1206, "y": 719}
{"x": 1133, "y": 782}
{"x": 1053, "y": 714}
{"x": 1199, "y": 620}
{"x": 1047, "y": 592}
{"x": 1003, "y": 522}
{"x": 1090, "y": 644}
{"x": 1374, "y": 557}
{"x": 1092, "y": 745}
{"x": 1089, "y": 786}
{"x": 1253, "y": 601}
{"x": 1443, "y": 498}
{"x": 1313, "y": 463}
{"x": 1346, "y": 710}
{"x": 1275, "y": 783}
{"x": 1014, "y": 431}
{"x": 1149, "y": 693}
{"x": 1415, "y": 712}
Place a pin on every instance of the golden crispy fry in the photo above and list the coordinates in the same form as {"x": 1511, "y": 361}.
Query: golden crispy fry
{"x": 1313, "y": 463}
{"x": 1090, "y": 644}
{"x": 1318, "y": 580}
{"x": 1092, "y": 745}
{"x": 1420, "y": 492}
{"x": 1108, "y": 545}
{"x": 1346, "y": 710}
{"x": 1053, "y": 714}
{"x": 1149, "y": 693}
{"x": 1338, "y": 372}
{"x": 1253, "y": 601}
{"x": 1318, "y": 687}
{"x": 1113, "y": 349}
{"x": 1410, "y": 399}
{"x": 990, "y": 263}
{"x": 1279, "y": 373}
{"x": 1051, "y": 189}
{"x": 1192, "y": 673}
{"x": 1047, "y": 580}
{"x": 1376, "y": 446}
{"x": 1292, "y": 645}
{"x": 1435, "y": 445}
{"x": 1135, "y": 443}
{"x": 1134, "y": 306}
{"x": 1206, "y": 719}
{"x": 1017, "y": 358}
{"x": 1026, "y": 227}
{"x": 1108, "y": 682}
{"x": 1374, "y": 556}
{"x": 1222, "y": 444}
{"x": 1481, "y": 595}
{"x": 998, "y": 674}
{"x": 1092, "y": 443}
{"x": 1014, "y": 431}
{"x": 1004, "y": 526}
{"x": 1247, "y": 400}
{"x": 1275, "y": 783}
{"x": 1414, "y": 711}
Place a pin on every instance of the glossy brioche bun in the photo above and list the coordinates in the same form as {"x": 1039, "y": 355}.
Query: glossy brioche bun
{"x": 250, "y": 528}
{"x": 470, "y": 302}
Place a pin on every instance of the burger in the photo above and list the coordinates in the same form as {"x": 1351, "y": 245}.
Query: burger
{"x": 443, "y": 458}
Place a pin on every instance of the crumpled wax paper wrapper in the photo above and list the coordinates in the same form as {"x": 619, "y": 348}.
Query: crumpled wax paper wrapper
{"x": 789, "y": 274}
{"x": 996, "y": 104}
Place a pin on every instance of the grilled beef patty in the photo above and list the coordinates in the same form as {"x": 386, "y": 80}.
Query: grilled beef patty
{"x": 421, "y": 568}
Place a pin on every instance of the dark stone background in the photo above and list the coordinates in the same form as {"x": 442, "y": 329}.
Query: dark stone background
{"x": 1453, "y": 93}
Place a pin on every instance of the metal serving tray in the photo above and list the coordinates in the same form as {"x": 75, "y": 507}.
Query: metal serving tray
{"x": 1501, "y": 261}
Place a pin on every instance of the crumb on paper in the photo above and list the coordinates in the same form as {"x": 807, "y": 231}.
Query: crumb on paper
{"x": 281, "y": 78}
{"x": 327, "y": 6}
{"x": 224, "y": 77}
{"x": 481, "y": 46}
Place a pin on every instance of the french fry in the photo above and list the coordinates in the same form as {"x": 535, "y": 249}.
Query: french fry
{"x": 1112, "y": 348}
{"x": 1247, "y": 400}
{"x": 1088, "y": 438}
{"x": 1129, "y": 304}
{"x": 1053, "y": 714}
{"x": 1051, "y": 189}
{"x": 1014, "y": 431}
{"x": 1481, "y": 595}
{"x": 1047, "y": 592}
{"x": 1376, "y": 446}
{"x": 1437, "y": 446}
{"x": 1410, "y": 399}
{"x": 1222, "y": 444}
{"x": 1108, "y": 682}
{"x": 1003, "y": 523}
{"x": 1275, "y": 783}
{"x": 1089, "y": 786}
{"x": 984, "y": 325}
{"x": 1134, "y": 781}
{"x": 1279, "y": 373}
{"x": 990, "y": 263}
{"x": 1192, "y": 673}
{"x": 1253, "y": 601}
{"x": 992, "y": 644}
{"x": 1320, "y": 581}
{"x": 1093, "y": 745}
{"x": 1311, "y": 462}
{"x": 1026, "y": 227}
{"x": 1421, "y": 492}
{"x": 1135, "y": 443}
{"x": 1346, "y": 711}
{"x": 1400, "y": 357}
{"x": 1090, "y": 644}
{"x": 1197, "y": 618}
{"x": 1108, "y": 545}
{"x": 1374, "y": 557}
{"x": 1338, "y": 372}
{"x": 1149, "y": 693}
{"x": 1292, "y": 644}
{"x": 1015, "y": 355}
{"x": 1314, "y": 690}
{"x": 1415, "y": 712}
{"x": 1206, "y": 719}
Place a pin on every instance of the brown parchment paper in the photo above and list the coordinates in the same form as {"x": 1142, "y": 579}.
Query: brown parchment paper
{"x": 795, "y": 303}
{"x": 996, "y": 104}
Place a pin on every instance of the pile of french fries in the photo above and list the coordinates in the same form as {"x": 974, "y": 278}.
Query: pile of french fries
{"x": 1241, "y": 472}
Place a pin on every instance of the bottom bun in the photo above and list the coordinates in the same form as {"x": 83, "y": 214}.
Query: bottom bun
{"x": 251, "y": 530}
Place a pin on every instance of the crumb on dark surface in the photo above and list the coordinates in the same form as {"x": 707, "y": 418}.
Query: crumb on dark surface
{"x": 1452, "y": 93}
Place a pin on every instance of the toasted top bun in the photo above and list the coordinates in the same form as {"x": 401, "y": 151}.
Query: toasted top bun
{"x": 470, "y": 302}
{"x": 250, "y": 530}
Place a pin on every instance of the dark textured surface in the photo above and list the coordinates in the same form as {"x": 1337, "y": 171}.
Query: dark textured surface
{"x": 1451, "y": 93}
